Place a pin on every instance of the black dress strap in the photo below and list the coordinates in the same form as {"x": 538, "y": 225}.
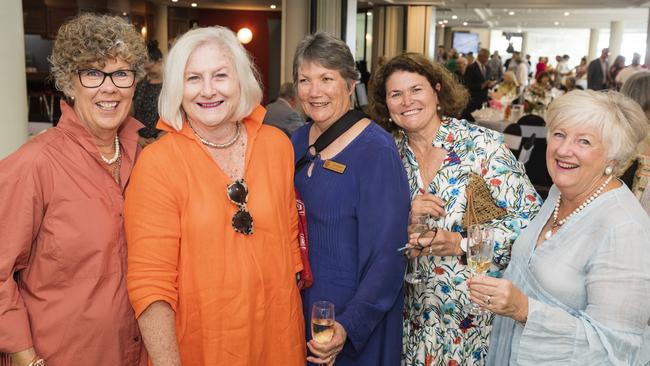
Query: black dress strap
{"x": 332, "y": 133}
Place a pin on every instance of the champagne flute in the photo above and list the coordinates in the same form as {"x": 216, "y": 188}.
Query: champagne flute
{"x": 322, "y": 321}
{"x": 480, "y": 245}
{"x": 417, "y": 225}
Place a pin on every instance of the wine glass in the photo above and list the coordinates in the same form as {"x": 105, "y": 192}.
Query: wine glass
{"x": 480, "y": 245}
{"x": 417, "y": 225}
{"x": 322, "y": 321}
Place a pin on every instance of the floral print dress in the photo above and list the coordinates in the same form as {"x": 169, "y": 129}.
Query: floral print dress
{"x": 436, "y": 329}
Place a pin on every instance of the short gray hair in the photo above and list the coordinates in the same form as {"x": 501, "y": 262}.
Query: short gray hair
{"x": 287, "y": 91}
{"x": 637, "y": 87}
{"x": 620, "y": 121}
{"x": 329, "y": 52}
{"x": 171, "y": 95}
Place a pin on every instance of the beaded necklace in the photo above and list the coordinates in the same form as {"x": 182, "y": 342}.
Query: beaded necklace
{"x": 215, "y": 145}
{"x": 116, "y": 155}
{"x": 556, "y": 210}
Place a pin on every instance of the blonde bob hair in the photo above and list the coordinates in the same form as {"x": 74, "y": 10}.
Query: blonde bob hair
{"x": 171, "y": 95}
{"x": 620, "y": 121}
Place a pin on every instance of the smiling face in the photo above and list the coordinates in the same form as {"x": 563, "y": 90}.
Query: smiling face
{"x": 324, "y": 94}
{"x": 411, "y": 100}
{"x": 103, "y": 109}
{"x": 211, "y": 88}
{"x": 576, "y": 159}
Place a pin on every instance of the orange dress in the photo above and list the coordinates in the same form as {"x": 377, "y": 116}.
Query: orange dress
{"x": 234, "y": 295}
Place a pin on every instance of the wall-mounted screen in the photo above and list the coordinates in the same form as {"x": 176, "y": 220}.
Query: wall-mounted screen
{"x": 465, "y": 42}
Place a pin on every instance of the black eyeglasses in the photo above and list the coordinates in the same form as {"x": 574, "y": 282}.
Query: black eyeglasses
{"x": 242, "y": 221}
{"x": 93, "y": 78}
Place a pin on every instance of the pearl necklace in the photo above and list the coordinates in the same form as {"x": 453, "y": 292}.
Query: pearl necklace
{"x": 556, "y": 210}
{"x": 214, "y": 144}
{"x": 116, "y": 155}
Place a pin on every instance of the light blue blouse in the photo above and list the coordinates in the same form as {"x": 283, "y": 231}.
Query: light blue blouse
{"x": 588, "y": 288}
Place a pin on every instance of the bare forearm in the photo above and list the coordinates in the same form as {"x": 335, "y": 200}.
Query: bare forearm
{"x": 158, "y": 328}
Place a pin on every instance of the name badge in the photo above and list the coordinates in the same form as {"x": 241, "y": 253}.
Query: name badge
{"x": 334, "y": 166}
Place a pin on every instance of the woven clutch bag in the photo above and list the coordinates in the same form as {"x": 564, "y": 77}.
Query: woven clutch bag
{"x": 481, "y": 207}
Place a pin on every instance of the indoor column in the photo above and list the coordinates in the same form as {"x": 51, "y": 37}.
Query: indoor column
{"x": 161, "y": 33}
{"x": 295, "y": 26}
{"x": 647, "y": 42}
{"x": 615, "y": 39}
{"x": 593, "y": 44}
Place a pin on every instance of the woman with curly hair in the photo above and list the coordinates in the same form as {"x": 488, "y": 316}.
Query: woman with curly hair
{"x": 417, "y": 100}
{"x": 63, "y": 297}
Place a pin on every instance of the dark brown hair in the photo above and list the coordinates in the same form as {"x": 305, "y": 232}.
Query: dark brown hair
{"x": 452, "y": 97}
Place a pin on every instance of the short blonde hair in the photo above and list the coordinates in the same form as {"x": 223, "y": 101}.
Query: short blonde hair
{"x": 88, "y": 39}
{"x": 510, "y": 75}
{"x": 621, "y": 122}
{"x": 171, "y": 95}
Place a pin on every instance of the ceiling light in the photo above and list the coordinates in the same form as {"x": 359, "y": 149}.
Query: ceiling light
{"x": 556, "y": 23}
{"x": 273, "y": 6}
{"x": 442, "y": 26}
{"x": 174, "y": 1}
{"x": 441, "y": 22}
{"x": 511, "y": 13}
{"x": 194, "y": 5}
{"x": 245, "y": 35}
{"x": 445, "y": 21}
{"x": 369, "y": 13}
{"x": 454, "y": 17}
{"x": 566, "y": 13}
{"x": 465, "y": 23}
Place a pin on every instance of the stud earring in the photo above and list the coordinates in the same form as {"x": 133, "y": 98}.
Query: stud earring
{"x": 438, "y": 108}
{"x": 609, "y": 170}
{"x": 390, "y": 120}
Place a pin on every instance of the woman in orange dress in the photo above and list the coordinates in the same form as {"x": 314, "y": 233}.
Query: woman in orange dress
{"x": 211, "y": 220}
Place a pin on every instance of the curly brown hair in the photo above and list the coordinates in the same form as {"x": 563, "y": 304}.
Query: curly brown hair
{"x": 452, "y": 97}
{"x": 90, "y": 39}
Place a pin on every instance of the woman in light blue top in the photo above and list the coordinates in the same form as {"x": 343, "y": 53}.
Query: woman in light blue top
{"x": 577, "y": 290}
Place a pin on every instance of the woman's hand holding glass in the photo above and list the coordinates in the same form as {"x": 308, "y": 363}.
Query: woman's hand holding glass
{"x": 328, "y": 336}
{"x": 435, "y": 242}
{"x": 480, "y": 248}
{"x": 499, "y": 296}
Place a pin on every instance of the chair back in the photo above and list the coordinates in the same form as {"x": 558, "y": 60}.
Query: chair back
{"x": 512, "y": 138}
{"x": 526, "y": 149}
{"x": 531, "y": 120}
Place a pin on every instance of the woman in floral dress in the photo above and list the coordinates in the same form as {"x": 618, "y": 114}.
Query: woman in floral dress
{"x": 410, "y": 96}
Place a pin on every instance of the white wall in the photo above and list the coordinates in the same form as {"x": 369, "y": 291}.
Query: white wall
{"x": 13, "y": 89}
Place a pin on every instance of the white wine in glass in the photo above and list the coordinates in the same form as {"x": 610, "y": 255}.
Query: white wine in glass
{"x": 480, "y": 247}
{"x": 322, "y": 321}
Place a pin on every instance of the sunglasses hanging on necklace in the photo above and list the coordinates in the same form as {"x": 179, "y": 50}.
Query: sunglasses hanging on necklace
{"x": 237, "y": 193}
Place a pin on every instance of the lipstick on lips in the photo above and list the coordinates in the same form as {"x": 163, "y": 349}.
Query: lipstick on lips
{"x": 209, "y": 104}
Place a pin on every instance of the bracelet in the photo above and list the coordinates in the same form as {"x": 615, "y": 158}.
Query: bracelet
{"x": 37, "y": 361}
